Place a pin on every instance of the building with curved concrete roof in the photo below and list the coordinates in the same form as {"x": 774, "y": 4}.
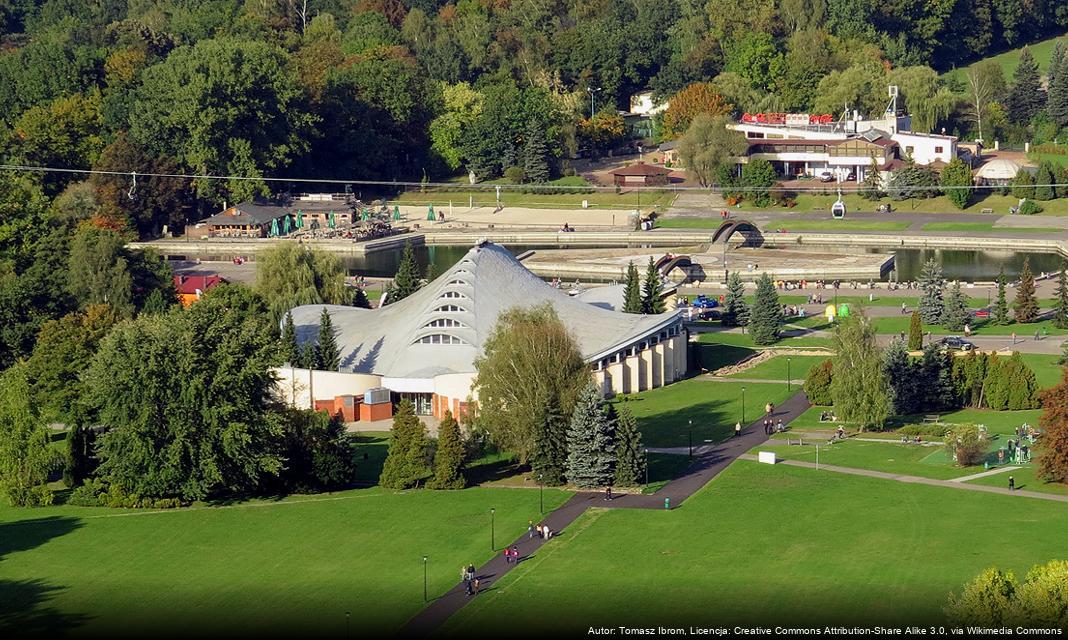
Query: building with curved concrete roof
{"x": 425, "y": 346}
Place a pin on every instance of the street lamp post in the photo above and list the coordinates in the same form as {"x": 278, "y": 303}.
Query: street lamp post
{"x": 541, "y": 494}
{"x": 743, "y": 406}
{"x": 347, "y": 625}
{"x": 493, "y": 534}
{"x": 424, "y": 579}
{"x": 647, "y": 467}
{"x": 592, "y": 90}
{"x": 787, "y": 373}
{"x": 691, "y": 437}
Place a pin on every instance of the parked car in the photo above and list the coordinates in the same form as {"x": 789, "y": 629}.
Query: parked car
{"x": 705, "y": 302}
{"x": 956, "y": 343}
{"x": 852, "y": 177}
{"x": 826, "y": 176}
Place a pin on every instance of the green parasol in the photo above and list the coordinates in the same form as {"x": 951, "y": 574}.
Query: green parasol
{"x": 330, "y": 220}
{"x": 365, "y": 214}
{"x": 274, "y": 228}
{"x": 396, "y": 212}
{"x": 287, "y": 224}
{"x": 430, "y": 212}
{"x": 300, "y": 219}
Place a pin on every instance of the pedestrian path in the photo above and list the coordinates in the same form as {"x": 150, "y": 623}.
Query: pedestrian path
{"x": 976, "y": 476}
{"x": 708, "y": 461}
{"x": 918, "y": 480}
{"x": 925, "y": 443}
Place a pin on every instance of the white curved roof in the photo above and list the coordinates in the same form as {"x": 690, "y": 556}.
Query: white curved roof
{"x": 998, "y": 169}
{"x": 441, "y": 328}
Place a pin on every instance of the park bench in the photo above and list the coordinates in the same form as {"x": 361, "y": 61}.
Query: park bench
{"x": 986, "y": 210}
{"x": 932, "y": 419}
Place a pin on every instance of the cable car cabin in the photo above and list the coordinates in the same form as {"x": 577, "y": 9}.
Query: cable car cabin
{"x": 838, "y": 209}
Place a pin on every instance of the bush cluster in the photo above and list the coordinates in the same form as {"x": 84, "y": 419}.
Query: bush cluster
{"x": 96, "y": 493}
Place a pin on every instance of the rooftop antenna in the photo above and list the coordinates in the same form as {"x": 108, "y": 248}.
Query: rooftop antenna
{"x": 891, "y": 109}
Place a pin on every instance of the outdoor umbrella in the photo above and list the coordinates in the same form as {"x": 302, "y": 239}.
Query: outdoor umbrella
{"x": 330, "y": 220}
{"x": 286, "y": 225}
{"x": 365, "y": 214}
{"x": 274, "y": 228}
{"x": 396, "y": 212}
{"x": 300, "y": 219}
{"x": 430, "y": 212}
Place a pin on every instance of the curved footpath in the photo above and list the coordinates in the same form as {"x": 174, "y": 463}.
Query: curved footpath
{"x": 705, "y": 467}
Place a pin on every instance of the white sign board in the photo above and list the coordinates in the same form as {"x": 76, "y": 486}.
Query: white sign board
{"x": 766, "y": 457}
{"x": 797, "y": 119}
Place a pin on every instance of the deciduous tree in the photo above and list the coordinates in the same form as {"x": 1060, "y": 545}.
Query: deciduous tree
{"x": 26, "y": 458}
{"x": 289, "y": 275}
{"x": 859, "y": 388}
{"x": 709, "y": 145}
{"x": 696, "y": 99}
{"x": 1053, "y": 447}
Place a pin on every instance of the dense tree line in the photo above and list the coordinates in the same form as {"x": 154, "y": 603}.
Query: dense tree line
{"x": 393, "y": 89}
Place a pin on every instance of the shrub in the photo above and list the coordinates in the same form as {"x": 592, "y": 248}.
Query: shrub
{"x": 1029, "y": 208}
{"x": 938, "y": 430}
{"x": 818, "y": 383}
{"x": 966, "y": 445}
{"x": 515, "y": 175}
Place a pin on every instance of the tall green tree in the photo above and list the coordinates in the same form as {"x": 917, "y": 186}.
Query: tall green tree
{"x": 651, "y": 289}
{"x": 289, "y": 275}
{"x": 318, "y": 453}
{"x": 1025, "y": 306}
{"x": 1001, "y": 306}
{"x": 1060, "y": 309}
{"x": 915, "y": 332}
{"x": 735, "y": 309}
{"x": 98, "y": 270}
{"x": 1026, "y": 96}
{"x": 901, "y": 378}
{"x": 873, "y": 182}
{"x": 406, "y": 462}
{"x": 290, "y": 347}
{"x": 529, "y": 365}
{"x": 1057, "y": 96}
{"x": 407, "y": 280}
{"x": 956, "y": 313}
{"x": 26, "y": 458}
{"x": 932, "y": 305}
{"x": 631, "y": 459}
{"x": 632, "y": 292}
{"x": 1023, "y": 185}
{"x": 758, "y": 176}
{"x": 957, "y": 181}
{"x": 996, "y": 599}
{"x": 80, "y": 457}
{"x": 187, "y": 399}
{"x": 765, "y": 317}
{"x": 327, "y": 354}
{"x": 535, "y": 155}
{"x": 708, "y": 145}
{"x": 1044, "y": 181}
{"x": 859, "y": 387}
{"x": 591, "y": 443}
{"x": 548, "y": 460}
{"x": 448, "y": 456}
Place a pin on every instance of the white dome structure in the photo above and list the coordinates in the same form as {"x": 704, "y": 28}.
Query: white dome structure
{"x": 998, "y": 171}
{"x": 427, "y": 343}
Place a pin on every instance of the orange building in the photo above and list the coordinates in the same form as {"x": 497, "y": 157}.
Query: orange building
{"x": 191, "y": 287}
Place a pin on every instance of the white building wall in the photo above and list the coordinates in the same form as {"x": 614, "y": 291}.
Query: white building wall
{"x": 927, "y": 149}
{"x": 295, "y": 385}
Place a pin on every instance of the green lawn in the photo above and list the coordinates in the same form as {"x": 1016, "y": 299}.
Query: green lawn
{"x": 766, "y": 545}
{"x": 1026, "y": 331}
{"x": 714, "y": 356}
{"x": 292, "y": 567}
{"x": 1025, "y": 478}
{"x": 1055, "y": 158}
{"x": 1047, "y": 371}
{"x": 775, "y": 368}
{"x": 837, "y": 225}
{"x": 906, "y": 459}
{"x": 821, "y": 202}
{"x": 744, "y": 340}
{"x": 1042, "y": 52}
{"x": 999, "y": 422}
{"x": 689, "y": 223}
{"x": 664, "y": 415}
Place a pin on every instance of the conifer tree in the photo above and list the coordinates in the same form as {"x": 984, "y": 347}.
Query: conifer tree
{"x": 1023, "y": 185}
{"x": 535, "y": 155}
{"x": 407, "y": 280}
{"x": 290, "y": 348}
{"x": 591, "y": 443}
{"x": 1060, "y": 309}
{"x": 80, "y": 462}
{"x": 632, "y": 293}
{"x": 1053, "y": 447}
{"x": 956, "y": 314}
{"x": 651, "y": 289}
{"x": 630, "y": 457}
{"x": 735, "y": 309}
{"x": 449, "y": 456}
{"x": 765, "y": 318}
{"x": 915, "y": 332}
{"x": 1026, "y": 305}
{"x": 405, "y": 463}
{"x": 327, "y": 354}
{"x": 1044, "y": 181}
{"x": 873, "y": 182}
{"x": 548, "y": 460}
{"x": 360, "y": 300}
{"x": 1026, "y": 97}
{"x": 1057, "y": 97}
{"x": 901, "y": 377}
{"x": 1001, "y": 307}
{"x": 932, "y": 305}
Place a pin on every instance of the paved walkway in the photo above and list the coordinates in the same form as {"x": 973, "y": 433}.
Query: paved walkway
{"x": 918, "y": 480}
{"x": 706, "y": 465}
{"x": 976, "y": 476}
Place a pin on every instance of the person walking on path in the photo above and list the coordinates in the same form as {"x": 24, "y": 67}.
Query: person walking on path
{"x": 1014, "y": 337}
{"x": 515, "y": 554}
{"x": 608, "y": 494}
{"x": 737, "y": 428}
{"x": 475, "y": 584}
{"x": 507, "y": 555}
{"x": 1012, "y": 483}
{"x": 768, "y": 408}
{"x": 904, "y": 309}
{"x": 530, "y": 529}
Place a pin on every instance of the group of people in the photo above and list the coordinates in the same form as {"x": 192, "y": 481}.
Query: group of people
{"x": 511, "y": 555}
{"x": 906, "y": 440}
{"x": 541, "y": 531}
{"x": 567, "y": 228}
{"x": 471, "y": 582}
{"x": 773, "y": 427}
{"x": 792, "y": 311}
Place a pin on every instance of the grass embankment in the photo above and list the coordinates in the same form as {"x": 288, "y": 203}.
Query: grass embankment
{"x": 765, "y": 545}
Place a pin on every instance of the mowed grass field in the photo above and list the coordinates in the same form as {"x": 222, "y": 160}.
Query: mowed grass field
{"x": 291, "y": 567}
{"x": 769, "y": 545}
{"x": 1009, "y": 60}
